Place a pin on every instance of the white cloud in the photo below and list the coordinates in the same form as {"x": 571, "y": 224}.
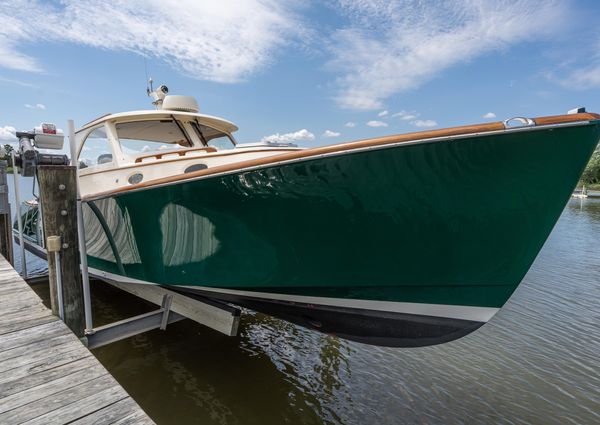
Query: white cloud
{"x": 405, "y": 115}
{"x": 329, "y": 133}
{"x": 350, "y": 124}
{"x": 424, "y": 123}
{"x": 7, "y": 133}
{"x": 391, "y": 47}
{"x": 382, "y": 114}
{"x": 582, "y": 77}
{"x": 489, "y": 115}
{"x": 221, "y": 41}
{"x": 36, "y": 106}
{"x": 15, "y": 82}
{"x": 377, "y": 124}
{"x": 300, "y": 135}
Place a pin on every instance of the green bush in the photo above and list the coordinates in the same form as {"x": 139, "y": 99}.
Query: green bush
{"x": 591, "y": 174}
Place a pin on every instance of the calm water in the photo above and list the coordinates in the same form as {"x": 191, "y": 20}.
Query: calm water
{"x": 538, "y": 361}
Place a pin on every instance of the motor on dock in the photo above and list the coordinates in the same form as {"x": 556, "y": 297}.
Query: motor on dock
{"x": 44, "y": 136}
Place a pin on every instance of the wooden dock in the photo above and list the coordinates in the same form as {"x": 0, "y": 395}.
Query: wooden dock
{"x": 46, "y": 374}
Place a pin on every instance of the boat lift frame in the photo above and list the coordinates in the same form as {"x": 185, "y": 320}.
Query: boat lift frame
{"x": 173, "y": 306}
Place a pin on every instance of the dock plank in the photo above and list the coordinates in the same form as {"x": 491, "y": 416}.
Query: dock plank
{"x": 25, "y": 369}
{"x": 20, "y": 384}
{"x": 20, "y": 304}
{"x": 48, "y": 388}
{"x": 67, "y": 398}
{"x": 38, "y": 357}
{"x": 137, "y": 418}
{"x": 48, "y": 342}
{"x": 82, "y": 408}
{"x": 27, "y": 322}
{"x": 46, "y": 374}
{"x": 118, "y": 411}
{"x": 29, "y": 312}
{"x": 15, "y": 339}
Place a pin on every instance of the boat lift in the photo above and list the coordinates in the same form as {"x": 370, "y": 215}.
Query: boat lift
{"x": 173, "y": 306}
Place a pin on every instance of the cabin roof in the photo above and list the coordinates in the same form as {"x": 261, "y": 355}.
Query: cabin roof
{"x": 209, "y": 120}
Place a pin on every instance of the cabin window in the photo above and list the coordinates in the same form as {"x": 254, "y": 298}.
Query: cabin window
{"x": 152, "y": 136}
{"x": 96, "y": 149}
{"x": 213, "y": 137}
{"x": 222, "y": 142}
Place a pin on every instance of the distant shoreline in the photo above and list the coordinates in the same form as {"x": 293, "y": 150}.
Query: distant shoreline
{"x": 595, "y": 186}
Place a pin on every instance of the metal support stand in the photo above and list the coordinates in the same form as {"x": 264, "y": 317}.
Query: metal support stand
{"x": 85, "y": 279}
{"x": 158, "y": 319}
{"x": 166, "y": 306}
{"x": 19, "y": 218}
{"x": 61, "y": 305}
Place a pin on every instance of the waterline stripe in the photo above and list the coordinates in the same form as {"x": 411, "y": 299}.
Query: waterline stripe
{"x": 477, "y": 314}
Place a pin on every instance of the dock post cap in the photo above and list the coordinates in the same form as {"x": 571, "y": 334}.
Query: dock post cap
{"x": 53, "y": 243}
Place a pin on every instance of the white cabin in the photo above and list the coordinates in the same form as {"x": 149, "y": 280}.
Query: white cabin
{"x": 129, "y": 148}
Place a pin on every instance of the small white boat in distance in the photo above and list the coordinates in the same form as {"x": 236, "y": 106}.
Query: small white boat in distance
{"x": 580, "y": 194}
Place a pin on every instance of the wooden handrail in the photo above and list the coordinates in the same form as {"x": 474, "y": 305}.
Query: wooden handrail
{"x": 181, "y": 152}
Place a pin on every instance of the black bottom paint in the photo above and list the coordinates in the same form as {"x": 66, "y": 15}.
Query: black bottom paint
{"x": 366, "y": 326}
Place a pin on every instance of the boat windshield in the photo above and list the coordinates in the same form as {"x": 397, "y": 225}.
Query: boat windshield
{"x": 212, "y": 137}
{"x": 167, "y": 135}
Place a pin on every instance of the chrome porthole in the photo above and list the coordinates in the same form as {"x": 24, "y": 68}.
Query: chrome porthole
{"x": 195, "y": 167}
{"x": 135, "y": 178}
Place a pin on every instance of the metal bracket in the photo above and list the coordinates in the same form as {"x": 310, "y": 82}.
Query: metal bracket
{"x": 157, "y": 319}
{"x": 166, "y": 307}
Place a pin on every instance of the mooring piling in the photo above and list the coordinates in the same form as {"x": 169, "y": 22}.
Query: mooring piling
{"x": 58, "y": 191}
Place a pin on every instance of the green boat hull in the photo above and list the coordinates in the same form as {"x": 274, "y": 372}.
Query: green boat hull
{"x": 453, "y": 222}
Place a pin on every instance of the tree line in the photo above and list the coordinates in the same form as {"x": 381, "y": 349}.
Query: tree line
{"x": 591, "y": 174}
{"x": 8, "y": 149}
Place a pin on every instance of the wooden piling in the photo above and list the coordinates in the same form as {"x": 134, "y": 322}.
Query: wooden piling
{"x": 6, "y": 246}
{"x": 58, "y": 196}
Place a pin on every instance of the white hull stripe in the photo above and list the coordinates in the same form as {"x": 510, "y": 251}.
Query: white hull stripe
{"x": 477, "y": 314}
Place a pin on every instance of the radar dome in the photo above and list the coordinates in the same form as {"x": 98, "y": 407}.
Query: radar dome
{"x": 180, "y": 103}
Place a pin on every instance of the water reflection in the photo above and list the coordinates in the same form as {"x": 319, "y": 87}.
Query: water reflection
{"x": 119, "y": 225}
{"x": 187, "y": 237}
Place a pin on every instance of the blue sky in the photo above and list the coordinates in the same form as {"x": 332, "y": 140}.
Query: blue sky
{"x": 312, "y": 72}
